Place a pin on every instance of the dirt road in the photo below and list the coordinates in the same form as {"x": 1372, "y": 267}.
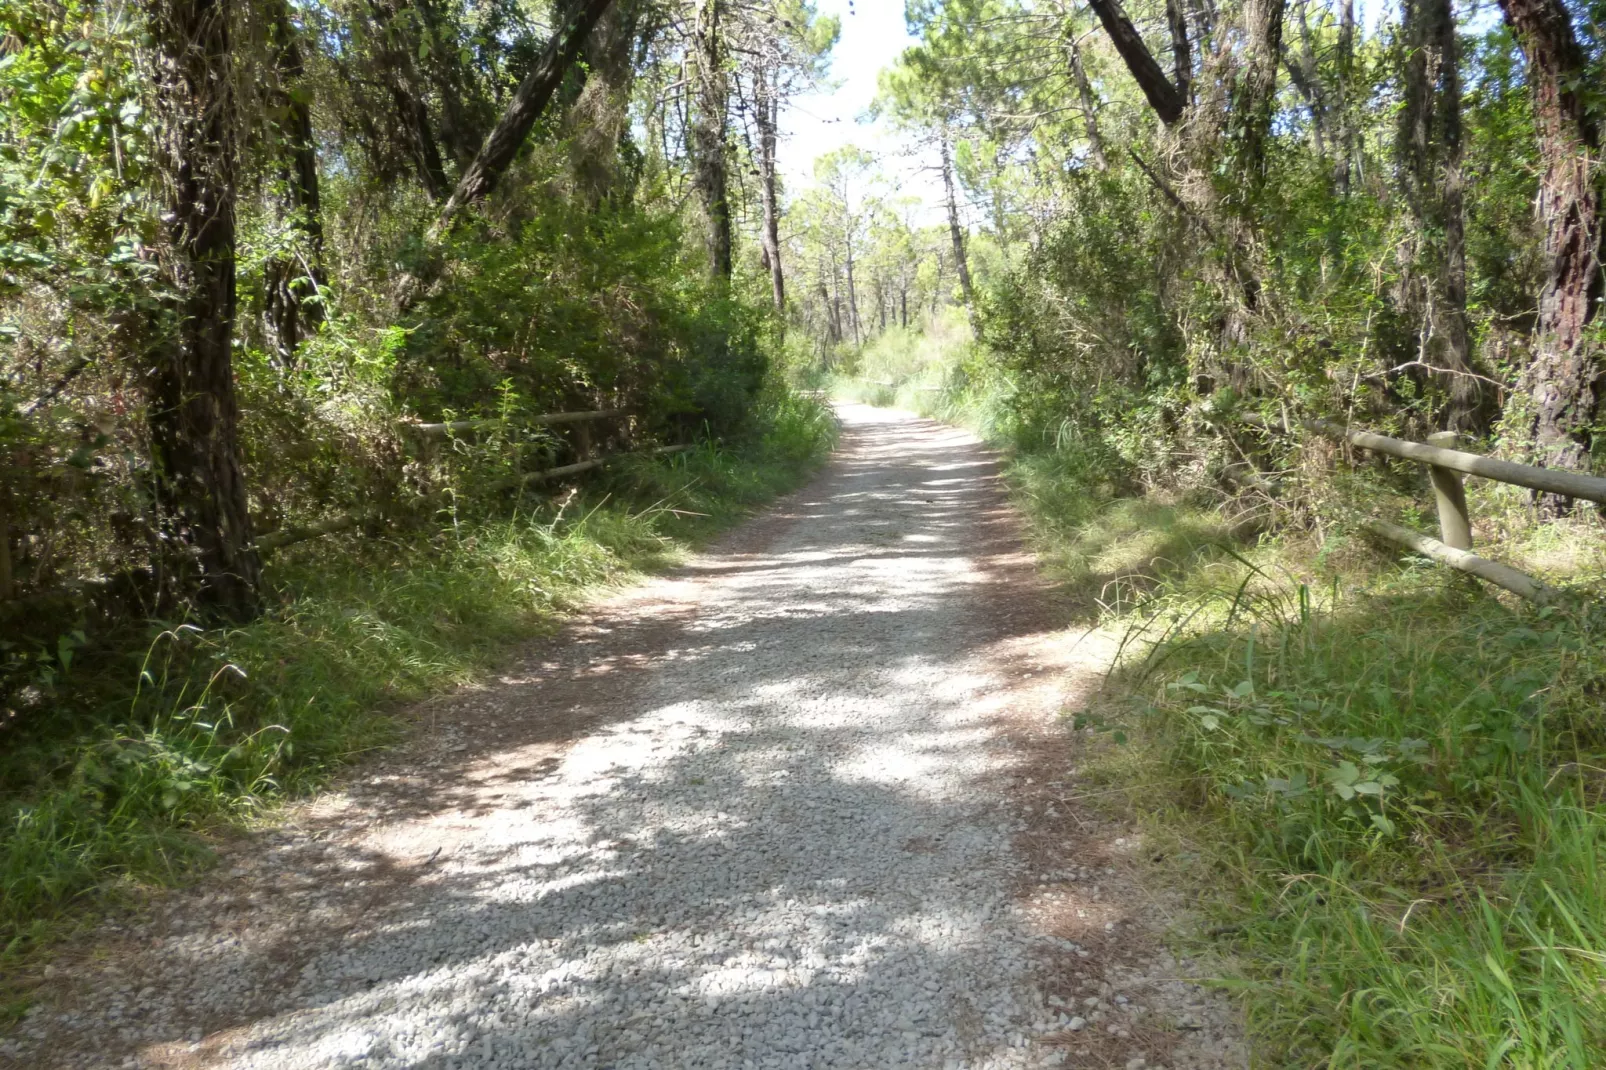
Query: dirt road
{"x": 801, "y": 802}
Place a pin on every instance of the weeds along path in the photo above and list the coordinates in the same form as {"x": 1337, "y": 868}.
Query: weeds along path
{"x": 792, "y": 805}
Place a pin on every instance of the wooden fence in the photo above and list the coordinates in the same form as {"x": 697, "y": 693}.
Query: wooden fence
{"x": 290, "y": 536}
{"x": 1446, "y": 467}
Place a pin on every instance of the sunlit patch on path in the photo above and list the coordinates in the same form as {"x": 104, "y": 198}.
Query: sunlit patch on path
{"x": 754, "y": 813}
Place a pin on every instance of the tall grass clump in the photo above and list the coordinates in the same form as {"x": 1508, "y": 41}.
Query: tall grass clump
{"x": 1401, "y": 787}
{"x": 157, "y": 733}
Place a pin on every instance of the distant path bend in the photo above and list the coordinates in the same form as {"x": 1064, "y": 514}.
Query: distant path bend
{"x": 759, "y": 812}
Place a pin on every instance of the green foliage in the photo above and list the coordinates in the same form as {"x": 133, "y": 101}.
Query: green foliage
{"x": 155, "y": 737}
{"x": 1400, "y": 788}
{"x": 580, "y": 309}
{"x": 1395, "y": 778}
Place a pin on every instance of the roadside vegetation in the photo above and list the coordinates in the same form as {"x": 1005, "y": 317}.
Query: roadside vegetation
{"x": 247, "y": 253}
{"x": 1389, "y": 777}
{"x": 162, "y": 730}
{"x": 289, "y": 295}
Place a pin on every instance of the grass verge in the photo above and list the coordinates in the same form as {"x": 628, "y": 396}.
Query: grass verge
{"x": 1396, "y": 777}
{"x": 152, "y": 735}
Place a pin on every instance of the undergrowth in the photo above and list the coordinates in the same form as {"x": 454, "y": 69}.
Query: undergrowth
{"x": 157, "y": 734}
{"x": 1399, "y": 783}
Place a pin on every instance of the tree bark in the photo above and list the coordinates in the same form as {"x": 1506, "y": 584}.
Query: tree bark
{"x": 529, "y": 100}
{"x": 199, "y": 488}
{"x": 1181, "y": 50}
{"x": 1563, "y": 381}
{"x": 1429, "y": 151}
{"x": 1306, "y": 73}
{"x": 1084, "y": 92}
{"x": 1254, "y": 102}
{"x": 957, "y": 235}
{"x": 1344, "y": 168}
{"x": 709, "y": 173}
{"x": 289, "y": 280}
{"x": 767, "y": 109}
{"x": 1167, "y": 101}
{"x": 853, "y": 293}
{"x": 598, "y": 120}
{"x": 459, "y": 131}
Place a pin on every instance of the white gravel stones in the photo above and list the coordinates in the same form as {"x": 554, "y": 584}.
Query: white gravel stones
{"x": 781, "y": 844}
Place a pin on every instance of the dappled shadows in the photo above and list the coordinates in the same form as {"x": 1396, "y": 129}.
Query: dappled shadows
{"x": 746, "y": 815}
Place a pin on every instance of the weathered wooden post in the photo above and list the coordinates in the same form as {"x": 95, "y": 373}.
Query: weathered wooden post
{"x": 1455, "y": 526}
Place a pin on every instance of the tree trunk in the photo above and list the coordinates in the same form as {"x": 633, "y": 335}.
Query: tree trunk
{"x": 767, "y": 108}
{"x": 957, "y": 234}
{"x": 1090, "y": 111}
{"x": 1305, "y": 70}
{"x": 1344, "y": 168}
{"x": 459, "y": 131}
{"x": 1254, "y": 101}
{"x": 1429, "y": 151}
{"x": 1562, "y": 382}
{"x": 709, "y": 174}
{"x": 289, "y": 280}
{"x": 400, "y": 51}
{"x": 1181, "y": 50}
{"x": 529, "y": 100}
{"x": 599, "y": 119}
{"x": 853, "y": 299}
{"x": 1166, "y": 100}
{"x": 199, "y": 488}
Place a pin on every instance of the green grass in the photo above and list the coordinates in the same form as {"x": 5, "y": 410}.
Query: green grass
{"x": 1396, "y": 777}
{"x": 151, "y": 737}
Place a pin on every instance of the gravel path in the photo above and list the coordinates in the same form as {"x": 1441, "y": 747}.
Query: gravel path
{"x": 760, "y": 812}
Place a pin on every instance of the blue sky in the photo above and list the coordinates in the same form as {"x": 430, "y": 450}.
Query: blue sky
{"x": 873, "y": 35}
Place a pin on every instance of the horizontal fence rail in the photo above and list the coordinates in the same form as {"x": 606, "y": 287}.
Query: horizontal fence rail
{"x": 290, "y": 536}
{"x": 1446, "y": 467}
{"x": 1571, "y": 484}
{"x": 545, "y": 420}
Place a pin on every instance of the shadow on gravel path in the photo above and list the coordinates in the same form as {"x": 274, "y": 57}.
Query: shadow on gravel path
{"x": 756, "y": 812}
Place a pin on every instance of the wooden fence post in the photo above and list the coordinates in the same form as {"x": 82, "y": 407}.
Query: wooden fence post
{"x": 1455, "y": 525}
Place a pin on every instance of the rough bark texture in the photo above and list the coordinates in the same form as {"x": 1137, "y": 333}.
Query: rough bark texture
{"x": 1344, "y": 167}
{"x": 1429, "y": 151}
{"x": 459, "y": 131}
{"x": 1253, "y": 103}
{"x": 597, "y": 122}
{"x": 853, "y": 298}
{"x": 1167, "y": 101}
{"x": 709, "y": 173}
{"x": 1563, "y": 381}
{"x": 1181, "y": 49}
{"x": 1305, "y": 70}
{"x": 199, "y": 488}
{"x": 529, "y": 100}
{"x": 766, "y": 109}
{"x": 1090, "y": 111}
{"x": 288, "y": 281}
{"x": 957, "y": 234}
